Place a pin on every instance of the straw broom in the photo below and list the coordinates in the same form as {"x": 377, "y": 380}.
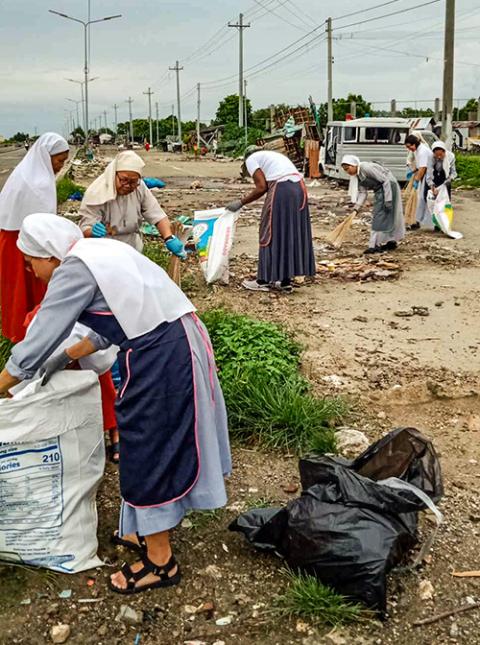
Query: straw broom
{"x": 338, "y": 235}
{"x": 173, "y": 269}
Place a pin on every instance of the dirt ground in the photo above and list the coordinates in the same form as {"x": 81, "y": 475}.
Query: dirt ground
{"x": 363, "y": 341}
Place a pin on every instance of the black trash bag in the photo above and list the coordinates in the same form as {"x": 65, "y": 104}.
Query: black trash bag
{"x": 404, "y": 453}
{"x": 346, "y": 529}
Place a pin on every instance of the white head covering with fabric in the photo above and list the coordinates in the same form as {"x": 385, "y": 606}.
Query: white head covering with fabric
{"x": 139, "y": 293}
{"x": 31, "y": 186}
{"x": 103, "y": 189}
{"x": 352, "y": 160}
{"x": 449, "y": 156}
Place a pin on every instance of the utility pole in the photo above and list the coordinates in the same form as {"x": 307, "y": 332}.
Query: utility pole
{"x": 157, "y": 138}
{"x": 393, "y": 107}
{"x": 245, "y": 103}
{"x": 198, "y": 116}
{"x": 272, "y": 118}
{"x": 149, "y": 94}
{"x": 478, "y": 109}
{"x": 330, "y": 69}
{"x": 130, "y": 101}
{"x": 448, "y": 67}
{"x": 115, "y": 107}
{"x": 353, "y": 109}
{"x": 436, "y": 110}
{"x": 240, "y": 26}
{"x": 173, "y": 120}
{"x": 177, "y": 70}
{"x": 105, "y": 117}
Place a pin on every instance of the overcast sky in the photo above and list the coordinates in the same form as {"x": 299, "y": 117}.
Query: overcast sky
{"x": 39, "y": 50}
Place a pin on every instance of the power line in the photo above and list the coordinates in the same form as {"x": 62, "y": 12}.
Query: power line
{"x": 274, "y": 13}
{"x": 387, "y": 15}
{"x": 355, "y": 13}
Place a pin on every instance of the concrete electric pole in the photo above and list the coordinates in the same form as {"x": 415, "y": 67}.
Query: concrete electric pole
{"x": 393, "y": 107}
{"x": 240, "y": 26}
{"x": 157, "y": 138}
{"x": 330, "y": 69}
{"x": 198, "y": 116}
{"x": 115, "y": 108}
{"x": 105, "y": 117}
{"x": 448, "y": 70}
{"x": 130, "y": 101}
{"x": 177, "y": 69}
{"x": 245, "y": 105}
{"x": 150, "y": 130}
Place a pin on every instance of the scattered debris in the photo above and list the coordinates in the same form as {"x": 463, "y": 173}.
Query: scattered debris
{"x": 60, "y": 633}
{"x": 129, "y": 615}
{"x": 361, "y": 270}
{"x": 446, "y": 614}
{"x": 425, "y": 590}
{"x": 223, "y": 622}
{"x": 66, "y": 593}
{"x": 351, "y": 442}
{"x": 466, "y": 574}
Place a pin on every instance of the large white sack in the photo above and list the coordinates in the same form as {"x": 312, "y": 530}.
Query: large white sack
{"x": 213, "y": 233}
{"x": 52, "y": 457}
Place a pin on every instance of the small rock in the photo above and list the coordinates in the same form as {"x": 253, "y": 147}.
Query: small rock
{"x": 334, "y": 638}
{"x": 302, "y": 627}
{"x": 473, "y": 423}
{"x": 60, "y": 633}
{"x": 102, "y": 630}
{"x": 223, "y": 622}
{"x": 129, "y": 615}
{"x": 470, "y": 600}
{"x": 213, "y": 571}
{"x": 454, "y": 631}
{"x": 190, "y": 609}
{"x": 206, "y": 608}
{"x": 381, "y": 415}
{"x": 351, "y": 442}
{"x": 362, "y": 319}
{"x": 290, "y": 488}
{"x": 186, "y": 523}
{"x": 425, "y": 590}
{"x": 439, "y": 303}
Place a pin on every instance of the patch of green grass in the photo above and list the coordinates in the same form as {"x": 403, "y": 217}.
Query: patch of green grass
{"x": 242, "y": 343}
{"x": 280, "y": 413}
{"x": 5, "y": 349}
{"x": 155, "y": 251}
{"x": 306, "y": 597}
{"x": 258, "y": 502}
{"x": 65, "y": 187}
{"x": 468, "y": 169}
{"x": 201, "y": 519}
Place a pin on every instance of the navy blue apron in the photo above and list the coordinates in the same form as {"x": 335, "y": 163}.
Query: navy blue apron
{"x": 155, "y": 409}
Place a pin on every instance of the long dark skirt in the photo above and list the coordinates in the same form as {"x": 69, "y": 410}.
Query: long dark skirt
{"x": 286, "y": 248}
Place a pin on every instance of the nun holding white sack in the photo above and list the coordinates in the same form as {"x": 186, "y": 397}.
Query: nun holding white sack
{"x": 441, "y": 169}
{"x": 118, "y": 202}
{"x": 170, "y": 409}
{"x": 388, "y": 226}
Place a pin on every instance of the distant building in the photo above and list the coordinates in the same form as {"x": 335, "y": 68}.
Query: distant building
{"x": 2, "y": 139}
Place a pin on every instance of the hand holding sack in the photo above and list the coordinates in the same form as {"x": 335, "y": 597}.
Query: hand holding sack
{"x": 99, "y": 230}
{"x": 175, "y": 246}
{"x": 54, "y": 364}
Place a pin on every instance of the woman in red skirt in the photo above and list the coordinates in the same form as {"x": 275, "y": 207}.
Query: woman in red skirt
{"x": 30, "y": 189}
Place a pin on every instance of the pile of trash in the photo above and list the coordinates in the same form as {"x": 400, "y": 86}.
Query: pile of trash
{"x": 355, "y": 520}
{"x": 359, "y": 269}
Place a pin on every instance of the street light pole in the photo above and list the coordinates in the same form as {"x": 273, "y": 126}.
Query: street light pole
{"x": 82, "y": 83}
{"x": 76, "y": 106}
{"x": 86, "y": 25}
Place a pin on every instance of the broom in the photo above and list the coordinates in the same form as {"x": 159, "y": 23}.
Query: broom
{"x": 173, "y": 269}
{"x": 338, "y": 235}
{"x": 411, "y": 197}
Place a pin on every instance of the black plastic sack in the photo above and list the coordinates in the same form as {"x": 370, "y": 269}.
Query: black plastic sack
{"x": 347, "y": 529}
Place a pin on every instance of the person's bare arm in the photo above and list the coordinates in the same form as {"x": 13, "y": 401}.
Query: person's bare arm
{"x": 164, "y": 228}
{"x": 420, "y": 173}
{"x": 7, "y": 381}
{"x": 261, "y": 187}
{"x": 83, "y": 348}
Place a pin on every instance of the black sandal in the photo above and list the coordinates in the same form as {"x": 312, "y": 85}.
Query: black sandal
{"x": 141, "y": 547}
{"x": 114, "y": 452}
{"x": 148, "y": 567}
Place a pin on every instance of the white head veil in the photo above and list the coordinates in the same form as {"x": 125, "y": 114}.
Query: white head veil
{"x": 352, "y": 160}
{"x": 103, "y": 189}
{"x": 44, "y": 235}
{"x": 449, "y": 156}
{"x": 31, "y": 186}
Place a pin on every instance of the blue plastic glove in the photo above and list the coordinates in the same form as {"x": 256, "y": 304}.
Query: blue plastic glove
{"x": 99, "y": 230}
{"x": 409, "y": 175}
{"x": 174, "y": 245}
{"x": 416, "y": 184}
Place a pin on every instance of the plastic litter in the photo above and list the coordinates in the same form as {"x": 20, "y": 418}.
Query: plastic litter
{"x": 213, "y": 234}
{"x": 350, "y": 527}
{"x": 77, "y": 196}
{"x": 153, "y": 182}
{"x": 441, "y": 211}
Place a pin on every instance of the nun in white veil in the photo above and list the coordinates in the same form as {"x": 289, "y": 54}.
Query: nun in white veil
{"x": 30, "y": 189}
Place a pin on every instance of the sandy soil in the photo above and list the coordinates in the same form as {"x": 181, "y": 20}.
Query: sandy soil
{"x": 397, "y": 369}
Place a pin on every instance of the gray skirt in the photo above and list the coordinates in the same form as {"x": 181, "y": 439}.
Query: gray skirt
{"x": 286, "y": 248}
{"x": 215, "y": 460}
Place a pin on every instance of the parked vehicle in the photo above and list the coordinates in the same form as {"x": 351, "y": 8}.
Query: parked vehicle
{"x": 372, "y": 139}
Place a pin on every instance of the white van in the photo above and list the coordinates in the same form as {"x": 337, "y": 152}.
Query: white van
{"x": 372, "y": 139}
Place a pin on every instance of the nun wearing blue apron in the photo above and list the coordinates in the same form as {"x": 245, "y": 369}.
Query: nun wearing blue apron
{"x": 171, "y": 414}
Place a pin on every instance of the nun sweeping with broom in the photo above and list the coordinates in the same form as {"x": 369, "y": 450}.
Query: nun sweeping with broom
{"x": 388, "y": 226}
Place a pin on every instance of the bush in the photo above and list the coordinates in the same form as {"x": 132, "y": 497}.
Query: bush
{"x": 5, "y": 349}
{"x": 155, "y": 251}
{"x": 468, "y": 169}
{"x": 306, "y": 597}
{"x": 268, "y": 402}
{"x": 65, "y": 188}
{"x": 244, "y": 344}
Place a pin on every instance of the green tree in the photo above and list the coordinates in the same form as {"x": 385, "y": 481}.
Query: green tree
{"x": 19, "y": 137}
{"x": 341, "y": 107}
{"x": 227, "y": 111}
{"x": 261, "y": 116}
{"x": 464, "y": 113}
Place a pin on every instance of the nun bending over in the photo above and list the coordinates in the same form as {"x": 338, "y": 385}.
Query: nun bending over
{"x": 30, "y": 188}
{"x": 422, "y": 156}
{"x": 388, "y": 226}
{"x": 173, "y": 427}
{"x": 118, "y": 202}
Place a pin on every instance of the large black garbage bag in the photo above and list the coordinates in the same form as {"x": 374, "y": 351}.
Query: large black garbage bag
{"x": 404, "y": 453}
{"x": 346, "y": 529}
